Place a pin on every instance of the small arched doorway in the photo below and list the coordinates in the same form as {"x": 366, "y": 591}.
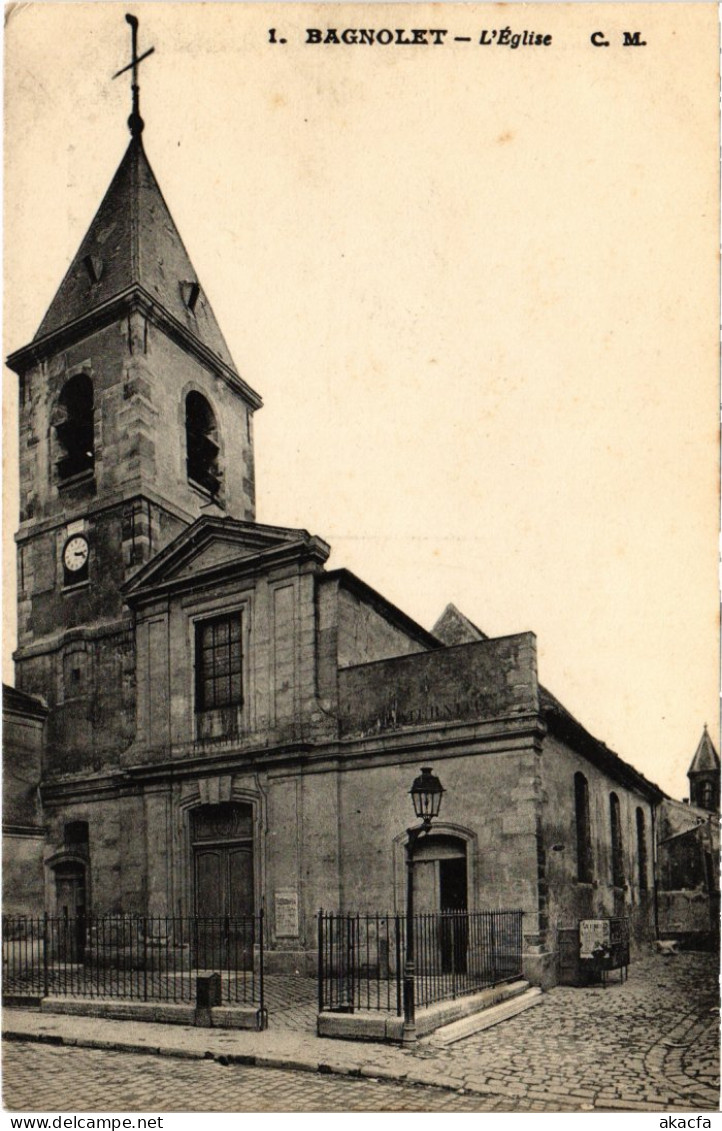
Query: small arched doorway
{"x": 70, "y": 901}
{"x": 440, "y": 874}
{"x": 441, "y": 884}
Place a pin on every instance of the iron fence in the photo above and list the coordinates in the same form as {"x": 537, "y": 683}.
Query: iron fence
{"x": 361, "y": 957}
{"x": 138, "y": 958}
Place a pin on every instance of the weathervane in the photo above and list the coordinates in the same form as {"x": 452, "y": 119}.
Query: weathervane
{"x": 135, "y": 122}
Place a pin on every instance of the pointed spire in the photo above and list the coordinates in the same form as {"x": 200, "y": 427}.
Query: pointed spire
{"x": 133, "y": 241}
{"x": 706, "y": 757}
{"x": 133, "y": 252}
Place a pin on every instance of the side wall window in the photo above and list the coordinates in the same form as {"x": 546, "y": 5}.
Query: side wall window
{"x": 584, "y": 833}
{"x": 641, "y": 850}
{"x": 202, "y": 446}
{"x": 75, "y": 430}
{"x": 615, "y": 826}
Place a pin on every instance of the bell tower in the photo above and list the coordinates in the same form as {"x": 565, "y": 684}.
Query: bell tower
{"x": 134, "y": 421}
{"x": 704, "y": 775}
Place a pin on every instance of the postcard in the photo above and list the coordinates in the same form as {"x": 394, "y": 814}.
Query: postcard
{"x": 360, "y": 571}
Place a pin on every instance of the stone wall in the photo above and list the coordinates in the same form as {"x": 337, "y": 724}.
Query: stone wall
{"x": 481, "y": 807}
{"x": 23, "y": 885}
{"x": 686, "y": 914}
{"x": 570, "y": 900}
{"x": 279, "y": 643}
{"x": 22, "y": 764}
{"x": 365, "y": 634}
{"x": 486, "y": 680}
{"x": 74, "y": 646}
{"x": 22, "y": 871}
{"x": 140, "y": 380}
{"x": 325, "y": 836}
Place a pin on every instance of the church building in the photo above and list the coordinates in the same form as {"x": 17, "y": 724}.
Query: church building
{"x": 222, "y": 723}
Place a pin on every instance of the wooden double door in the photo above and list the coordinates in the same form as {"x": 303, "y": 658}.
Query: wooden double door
{"x": 223, "y": 878}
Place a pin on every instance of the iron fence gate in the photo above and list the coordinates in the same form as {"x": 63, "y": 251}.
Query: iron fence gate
{"x": 361, "y": 957}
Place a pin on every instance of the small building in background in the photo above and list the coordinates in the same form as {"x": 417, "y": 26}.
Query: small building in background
{"x": 688, "y": 860}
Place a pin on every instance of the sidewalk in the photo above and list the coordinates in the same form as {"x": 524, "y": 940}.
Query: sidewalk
{"x": 650, "y": 1044}
{"x": 279, "y": 1048}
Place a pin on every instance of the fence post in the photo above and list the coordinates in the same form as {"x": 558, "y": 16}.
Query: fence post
{"x": 357, "y": 962}
{"x": 333, "y": 980}
{"x": 262, "y": 930}
{"x": 398, "y": 948}
{"x": 194, "y": 962}
{"x": 350, "y": 959}
{"x": 226, "y": 948}
{"x": 320, "y": 960}
{"x": 454, "y": 929}
{"x": 262, "y": 1015}
{"x": 46, "y": 981}
{"x": 145, "y": 959}
{"x": 64, "y": 950}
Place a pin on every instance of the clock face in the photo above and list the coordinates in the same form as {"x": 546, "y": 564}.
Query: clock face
{"x": 75, "y": 554}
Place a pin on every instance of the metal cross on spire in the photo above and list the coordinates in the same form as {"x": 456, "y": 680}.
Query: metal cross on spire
{"x": 135, "y": 122}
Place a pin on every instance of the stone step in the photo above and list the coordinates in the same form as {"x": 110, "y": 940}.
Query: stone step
{"x": 476, "y": 1022}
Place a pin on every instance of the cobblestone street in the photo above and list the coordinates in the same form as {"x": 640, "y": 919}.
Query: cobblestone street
{"x": 651, "y": 1040}
{"x": 39, "y": 1078}
{"x": 651, "y": 1044}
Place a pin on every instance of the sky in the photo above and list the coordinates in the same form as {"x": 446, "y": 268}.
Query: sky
{"x": 476, "y": 287}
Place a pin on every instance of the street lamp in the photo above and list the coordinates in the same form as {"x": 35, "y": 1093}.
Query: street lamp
{"x": 426, "y": 793}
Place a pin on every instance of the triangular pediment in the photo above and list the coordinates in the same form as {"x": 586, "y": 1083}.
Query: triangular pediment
{"x": 210, "y": 544}
{"x": 214, "y": 553}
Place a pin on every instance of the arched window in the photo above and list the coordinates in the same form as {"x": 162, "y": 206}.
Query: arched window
{"x": 615, "y": 825}
{"x": 74, "y": 428}
{"x": 584, "y": 833}
{"x": 202, "y": 444}
{"x": 641, "y": 850}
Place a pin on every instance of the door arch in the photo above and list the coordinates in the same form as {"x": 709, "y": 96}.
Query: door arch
{"x": 445, "y": 841}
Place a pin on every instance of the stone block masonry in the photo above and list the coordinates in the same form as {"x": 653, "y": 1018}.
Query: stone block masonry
{"x": 486, "y": 680}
